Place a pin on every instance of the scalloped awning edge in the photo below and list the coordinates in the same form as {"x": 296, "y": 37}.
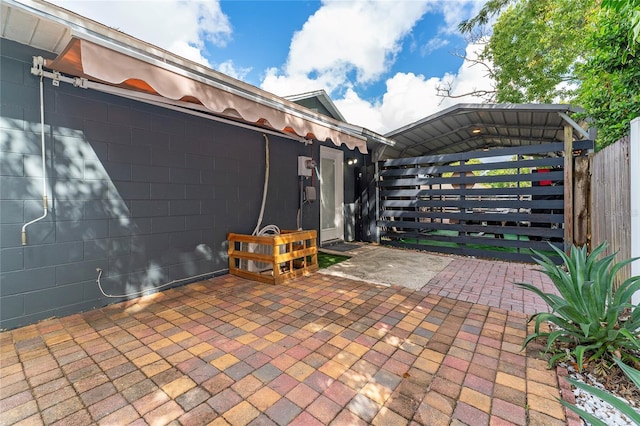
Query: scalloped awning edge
{"x": 94, "y": 62}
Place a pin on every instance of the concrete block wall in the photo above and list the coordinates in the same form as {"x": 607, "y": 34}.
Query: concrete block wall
{"x": 146, "y": 194}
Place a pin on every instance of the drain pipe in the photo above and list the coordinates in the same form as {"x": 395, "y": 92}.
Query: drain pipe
{"x": 37, "y": 63}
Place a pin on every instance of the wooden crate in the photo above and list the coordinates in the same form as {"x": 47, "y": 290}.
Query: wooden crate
{"x": 273, "y": 259}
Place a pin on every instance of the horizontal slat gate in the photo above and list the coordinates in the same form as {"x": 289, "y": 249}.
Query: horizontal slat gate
{"x": 491, "y": 204}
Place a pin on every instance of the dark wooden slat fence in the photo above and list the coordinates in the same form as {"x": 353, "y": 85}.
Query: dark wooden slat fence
{"x": 500, "y": 208}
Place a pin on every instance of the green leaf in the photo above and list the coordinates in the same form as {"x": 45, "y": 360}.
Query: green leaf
{"x": 579, "y": 353}
{"x": 618, "y": 404}
{"x": 585, "y": 329}
{"x": 585, "y": 415}
{"x": 553, "y": 337}
{"x": 548, "y": 299}
{"x": 585, "y": 314}
{"x": 555, "y": 358}
{"x": 571, "y": 313}
{"x": 630, "y": 337}
{"x": 529, "y": 339}
{"x": 560, "y": 322}
{"x": 631, "y": 372}
{"x": 626, "y": 290}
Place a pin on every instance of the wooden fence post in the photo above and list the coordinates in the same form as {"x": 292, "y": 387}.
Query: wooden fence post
{"x": 581, "y": 194}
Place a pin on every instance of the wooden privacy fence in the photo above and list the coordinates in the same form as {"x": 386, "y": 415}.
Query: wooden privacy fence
{"x": 474, "y": 205}
{"x": 610, "y": 201}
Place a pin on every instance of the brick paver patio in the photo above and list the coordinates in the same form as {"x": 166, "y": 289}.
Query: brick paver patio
{"x": 317, "y": 350}
{"x": 492, "y": 283}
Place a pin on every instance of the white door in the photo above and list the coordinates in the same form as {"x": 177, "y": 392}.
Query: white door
{"x": 331, "y": 195}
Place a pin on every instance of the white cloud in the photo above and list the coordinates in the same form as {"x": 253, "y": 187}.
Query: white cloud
{"x": 360, "y": 111}
{"x": 455, "y": 11}
{"x": 230, "y": 69}
{"x": 283, "y": 85}
{"x": 181, "y": 27}
{"x": 433, "y": 45}
{"x": 410, "y": 97}
{"x": 345, "y": 43}
{"x": 344, "y": 46}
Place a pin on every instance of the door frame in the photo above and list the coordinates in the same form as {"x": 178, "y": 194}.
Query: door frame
{"x": 336, "y": 233}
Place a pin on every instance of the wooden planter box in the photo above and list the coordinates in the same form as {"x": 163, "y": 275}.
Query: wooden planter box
{"x": 273, "y": 259}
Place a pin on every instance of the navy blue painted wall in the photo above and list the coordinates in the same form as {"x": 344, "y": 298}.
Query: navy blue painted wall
{"x": 144, "y": 193}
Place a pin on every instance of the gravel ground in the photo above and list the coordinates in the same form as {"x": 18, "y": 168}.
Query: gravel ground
{"x": 596, "y": 406}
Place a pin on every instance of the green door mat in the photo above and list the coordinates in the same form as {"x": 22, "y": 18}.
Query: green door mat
{"x": 325, "y": 259}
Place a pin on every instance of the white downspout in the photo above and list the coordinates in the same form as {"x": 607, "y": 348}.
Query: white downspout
{"x": 37, "y": 63}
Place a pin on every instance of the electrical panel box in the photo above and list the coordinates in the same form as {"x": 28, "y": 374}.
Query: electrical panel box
{"x": 310, "y": 193}
{"x": 305, "y": 166}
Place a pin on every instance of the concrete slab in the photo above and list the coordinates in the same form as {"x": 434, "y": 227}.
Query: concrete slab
{"x": 389, "y": 266}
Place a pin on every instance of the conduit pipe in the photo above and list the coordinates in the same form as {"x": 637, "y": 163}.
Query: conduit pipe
{"x": 299, "y": 215}
{"x": 156, "y": 288}
{"x": 266, "y": 185}
{"x": 37, "y": 62}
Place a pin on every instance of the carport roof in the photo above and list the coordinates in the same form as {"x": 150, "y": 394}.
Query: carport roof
{"x": 471, "y": 127}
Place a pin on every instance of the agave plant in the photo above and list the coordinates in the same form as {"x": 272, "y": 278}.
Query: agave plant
{"x": 588, "y": 312}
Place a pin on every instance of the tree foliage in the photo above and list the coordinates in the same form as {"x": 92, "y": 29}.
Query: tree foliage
{"x": 508, "y": 172}
{"x": 534, "y": 49}
{"x": 490, "y": 9}
{"x": 610, "y": 76}
{"x": 630, "y": 8}
{"x": 566, "y": 51}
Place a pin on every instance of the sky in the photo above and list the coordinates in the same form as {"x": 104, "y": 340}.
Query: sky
{"x": 380, "y": 61}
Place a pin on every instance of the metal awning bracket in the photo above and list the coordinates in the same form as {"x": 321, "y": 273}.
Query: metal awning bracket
{"x": 36, "y": 67}
{"x": 80, "y": 82}
{"x": 570, "y": 121}
{"x": 56, "y": 77}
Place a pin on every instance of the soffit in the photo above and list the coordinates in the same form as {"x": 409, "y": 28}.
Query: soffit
{"x": 27, "y": 28}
